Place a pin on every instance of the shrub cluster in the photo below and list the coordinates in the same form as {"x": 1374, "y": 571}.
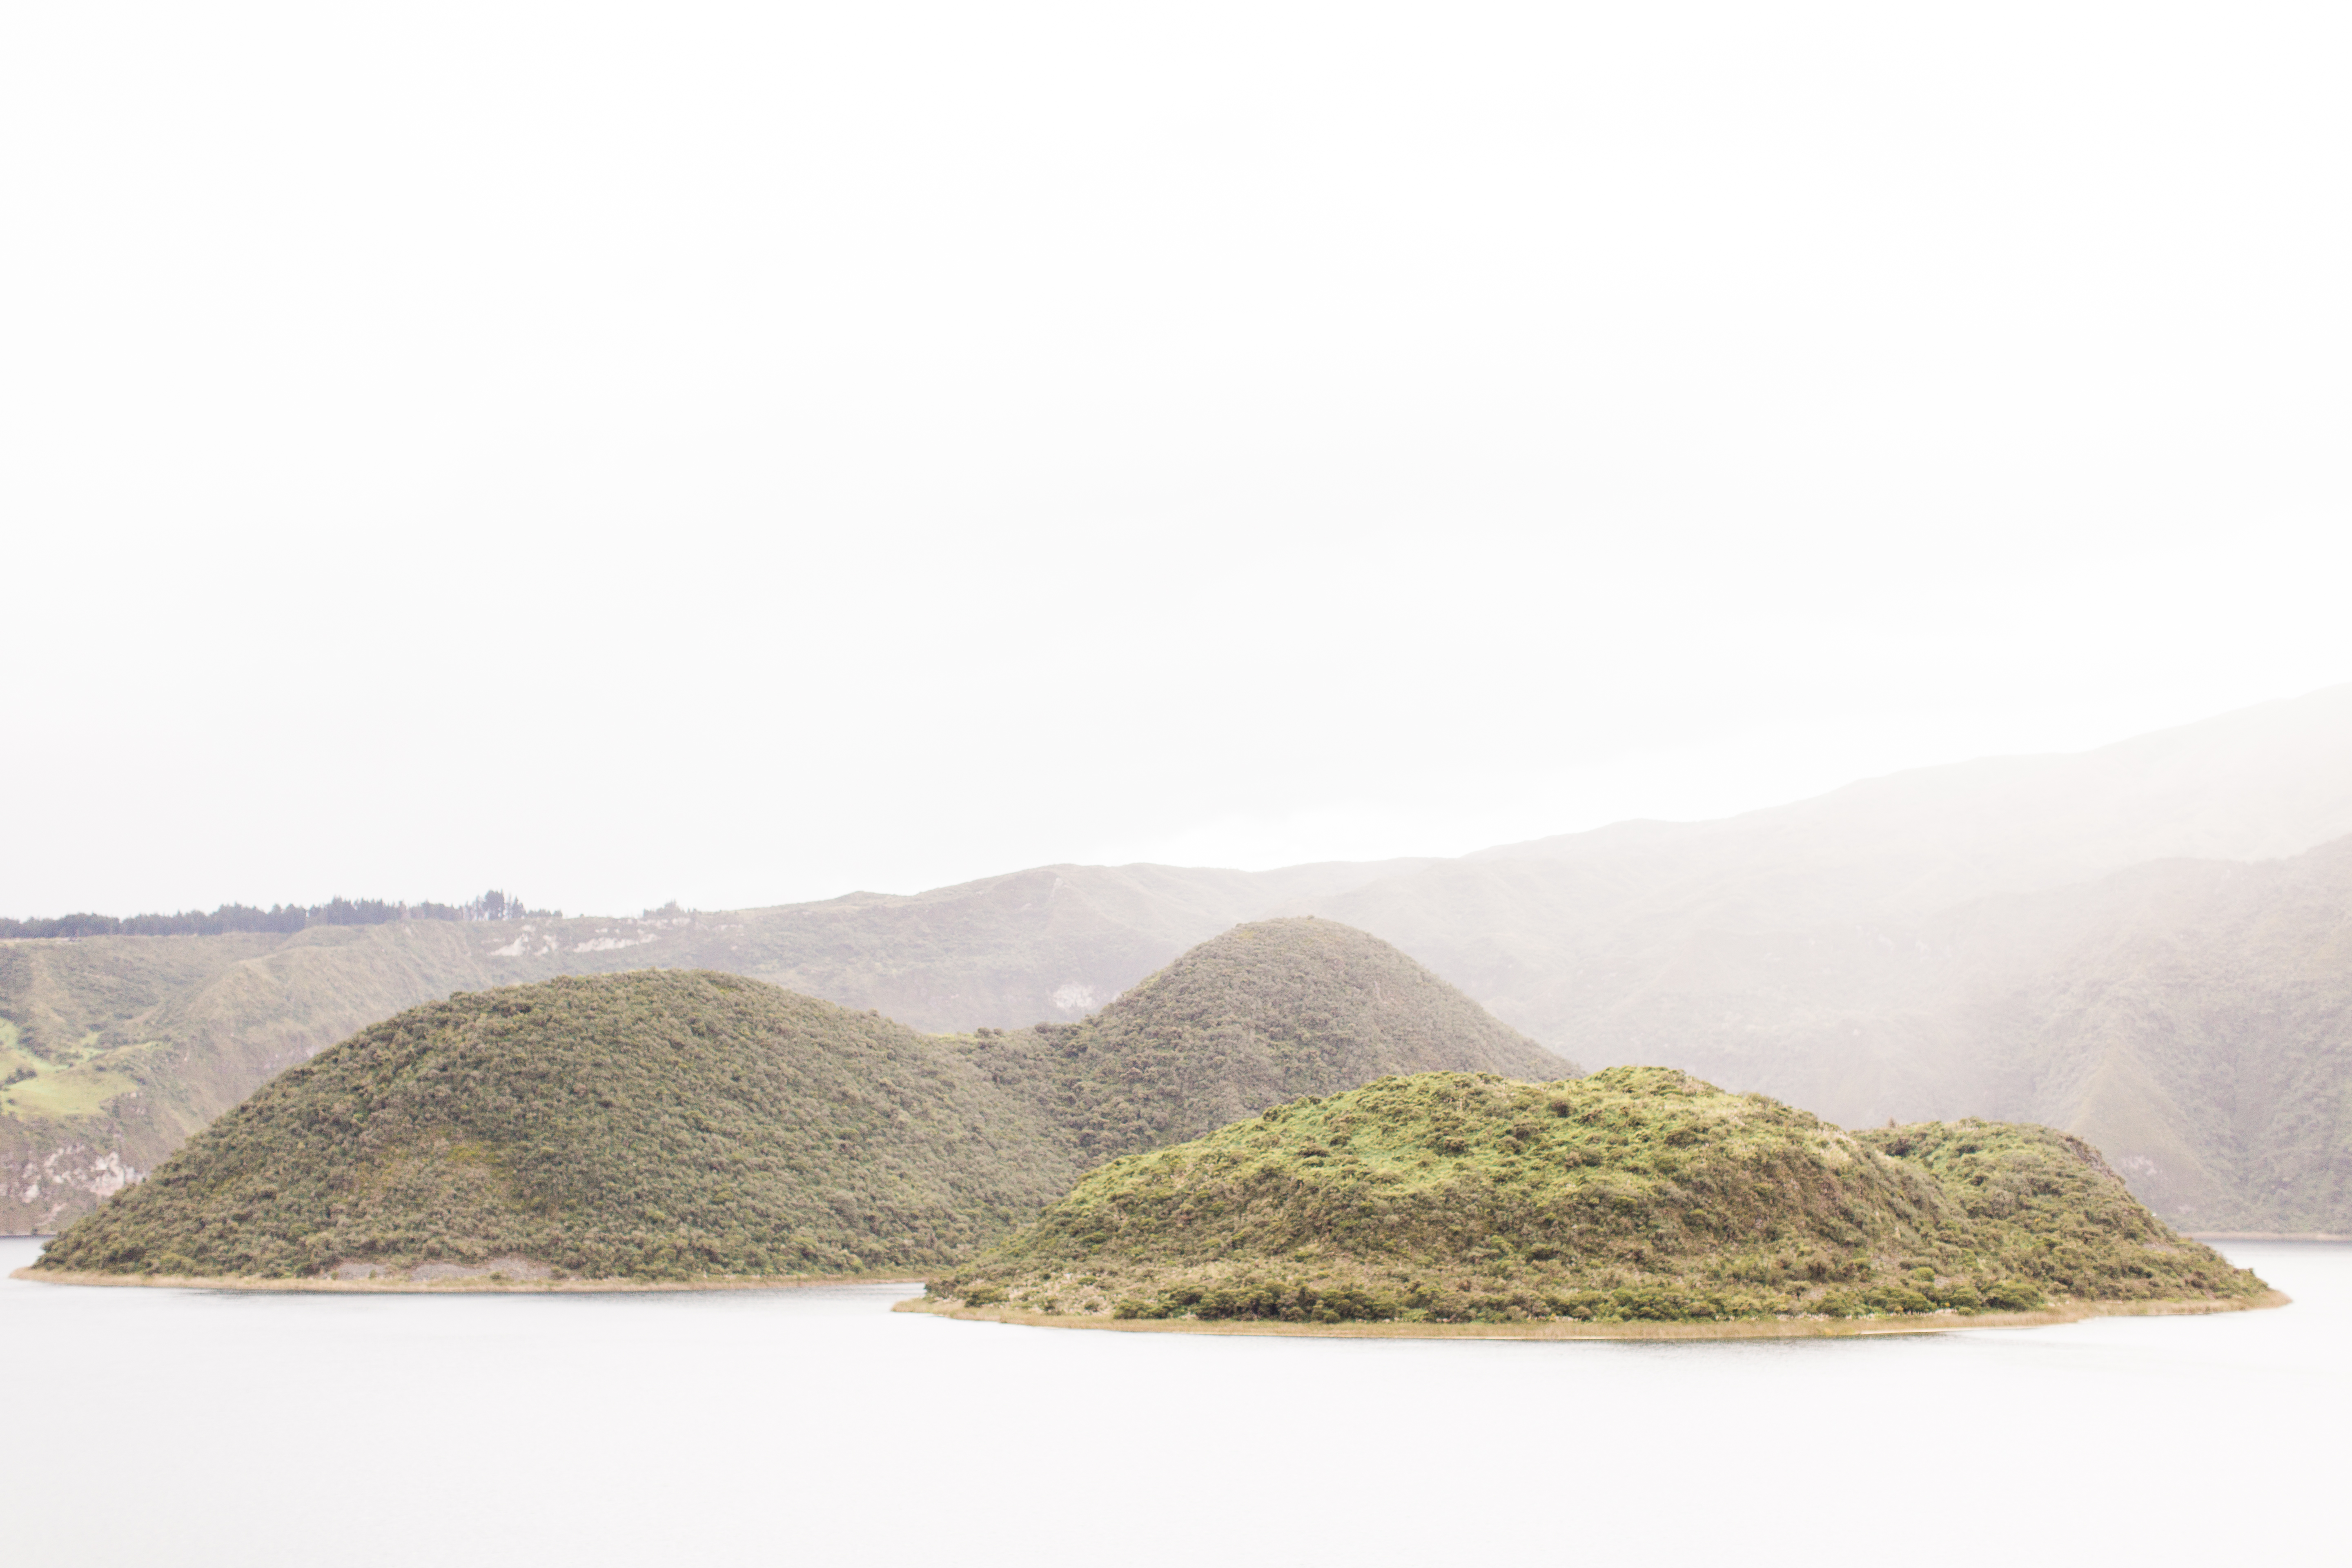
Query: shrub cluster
{"x": 1286, "y": 1300}
{"x": 668, "y": 1126}
{"x": 1634, "y": 1195}
{"x": 653, "y": 1125}
{"x": 1265, "y": 1013}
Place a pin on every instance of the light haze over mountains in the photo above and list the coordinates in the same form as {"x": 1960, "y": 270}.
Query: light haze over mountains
{"x": 2145, "y": 944}
{"x": 738, "y": 458}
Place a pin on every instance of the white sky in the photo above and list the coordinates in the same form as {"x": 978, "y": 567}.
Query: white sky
{"x": 743, "y": 454}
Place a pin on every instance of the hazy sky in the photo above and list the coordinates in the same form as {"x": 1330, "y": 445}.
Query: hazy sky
{"x": 744, "y": 454}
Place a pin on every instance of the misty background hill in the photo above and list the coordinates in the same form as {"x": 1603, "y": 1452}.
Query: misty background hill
{"x": 2144, "y": 944}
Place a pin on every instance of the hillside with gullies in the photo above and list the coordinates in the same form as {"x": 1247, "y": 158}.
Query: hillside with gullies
{"x": 1636, "y": 1194}
{"x": 2142, "y": 944}
{"x": 2193, "y": 1019}
{"x": 654, "y": 1125}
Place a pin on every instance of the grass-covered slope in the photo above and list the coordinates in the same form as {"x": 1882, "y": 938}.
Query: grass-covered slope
{"x": 1261, "y": 1014}
{"x": 662, "y": 1124}
{"x": 653, "y": 1125}
{"x": 1638, "y": 1192}
{"x": 114, "y": 1050}
{"x": 129, "y": 1045}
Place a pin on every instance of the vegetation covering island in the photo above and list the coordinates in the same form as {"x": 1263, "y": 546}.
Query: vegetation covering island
{"x": 651, "y": 1126}
{"x": 1636, "y": 1198}
{"x": 673, "y": 1127}
{"x": 2093, "y": 941}
{"x": 1262, "y": 1014}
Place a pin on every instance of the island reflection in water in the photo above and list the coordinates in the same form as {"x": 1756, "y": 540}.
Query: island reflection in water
{"x": 815, "y": 1425}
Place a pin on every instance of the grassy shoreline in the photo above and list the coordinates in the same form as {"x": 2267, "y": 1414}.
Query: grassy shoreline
{"x": 480, "y": 1287}
{"x": 1734, "y": 1329}
{"x": 1571, "y": 1329}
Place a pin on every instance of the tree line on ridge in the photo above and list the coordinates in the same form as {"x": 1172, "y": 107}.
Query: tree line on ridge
{"x": 493, "y": 905}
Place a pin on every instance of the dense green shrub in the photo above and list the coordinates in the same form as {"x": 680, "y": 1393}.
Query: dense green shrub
{"x": 659, "y": 1124}
{"x": 1266, "y": 1014}
{"x": 1637, "y": 1195}
{"x": 672, "y": 1126}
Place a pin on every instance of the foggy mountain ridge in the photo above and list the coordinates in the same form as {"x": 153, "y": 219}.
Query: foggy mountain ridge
{"x": 2133, "y": 943}
{"x": 2260, "y": 782}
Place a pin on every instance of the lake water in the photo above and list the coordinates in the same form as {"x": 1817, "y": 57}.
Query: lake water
{"x": 816, "y": 1426}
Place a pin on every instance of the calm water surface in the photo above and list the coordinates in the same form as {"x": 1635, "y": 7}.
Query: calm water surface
{"x": 189, "y": 1428}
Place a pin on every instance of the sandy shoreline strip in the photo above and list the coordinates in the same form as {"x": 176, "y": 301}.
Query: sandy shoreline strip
{"x": 1557, "y": 1328}
{"x": 476, "y": 1287}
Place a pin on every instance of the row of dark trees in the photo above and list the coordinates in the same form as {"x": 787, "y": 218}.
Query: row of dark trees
{"x": 493, "y": 905}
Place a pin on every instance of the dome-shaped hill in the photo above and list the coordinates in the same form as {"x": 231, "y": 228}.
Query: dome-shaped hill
{"x": 654, "y": 1124}
{"x": 1265, "y": 1013}
{"x": 1638, "y": 1192}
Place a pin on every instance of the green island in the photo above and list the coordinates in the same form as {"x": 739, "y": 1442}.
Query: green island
{"x": 1636, "y": 1201}
{"x": 654, "y": 1125}
{"x": 1294, "y": 1127}
{"x": 674, "y": 1129}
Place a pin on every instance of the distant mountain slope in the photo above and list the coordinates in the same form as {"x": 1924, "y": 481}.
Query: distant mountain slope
{"x": 2193, "y": 1019}
{"x": 2256, "y": 784}
{"x": 2016, "y": 938}
{"x": 122, "y": 1047}
{"x": 1553, "y": 933}
{"x": 1056, "y": 942}
{"x": 1869, "y": 952}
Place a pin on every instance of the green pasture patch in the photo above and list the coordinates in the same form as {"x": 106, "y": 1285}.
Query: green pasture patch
{"x": 74, "y": 1092}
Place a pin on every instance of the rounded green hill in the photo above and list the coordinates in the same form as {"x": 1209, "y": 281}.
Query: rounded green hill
{"x": 1265, "y": 1013}
{"x": 652, "y": 1125}
{"x": 674, "y": 1126}
{"x": 1635, "y": 1193}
